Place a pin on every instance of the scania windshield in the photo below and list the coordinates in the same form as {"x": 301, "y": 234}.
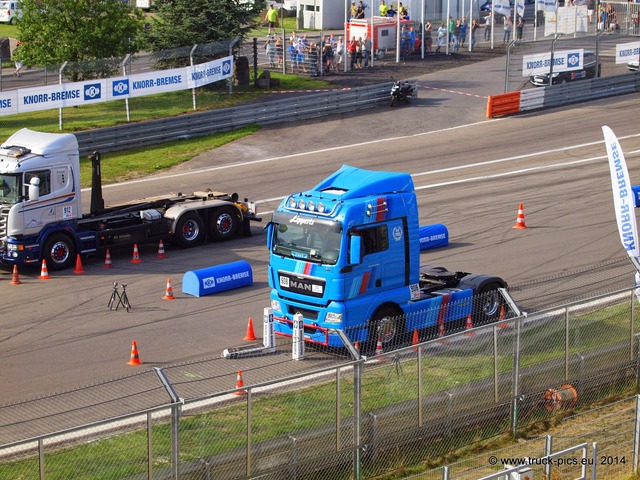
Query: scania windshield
{"x": 306, "y": 238}
{"x": 9, "y": 189}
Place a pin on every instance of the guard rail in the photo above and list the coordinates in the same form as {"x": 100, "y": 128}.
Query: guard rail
{"x": 286, "y": 109}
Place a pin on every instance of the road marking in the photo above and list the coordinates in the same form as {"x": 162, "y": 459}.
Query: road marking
{"x": 453, "y": 91}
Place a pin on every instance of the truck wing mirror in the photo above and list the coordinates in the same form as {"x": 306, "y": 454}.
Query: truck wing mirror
{"x": 355, "y": 249}
{"x": 34, "y": 189}
{"x": 269, "y": 228}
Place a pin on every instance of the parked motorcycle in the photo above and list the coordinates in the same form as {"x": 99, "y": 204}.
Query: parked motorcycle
{"x": 402, "y": 91}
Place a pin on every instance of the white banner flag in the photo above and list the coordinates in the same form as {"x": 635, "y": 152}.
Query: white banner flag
{"x": 502, "y": 7}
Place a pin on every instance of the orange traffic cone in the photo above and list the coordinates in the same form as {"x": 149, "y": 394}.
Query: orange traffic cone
{"x": 135, "y": 358}
{"x": 15, "y": 279}
{"x": 107, "y": 260}
{"x": 161, "y": 253}
{"x": 379, "y": 350}
{"x": 469, "y": 326}
{"x": 44, "y": 273}
{"x": 250, "y": 335}
{"x": 441, "y": 331}
{"x": 79, "y": 268}
{"x": 520, "y": 219}
{"x": 136, "y": 255}
{"x": 415, "y": 340}
{"x": 239, "y": 384}
{"x": 357, "y": 347}
{"x": 169, "y": 292}
{"x": 502, "y": 318}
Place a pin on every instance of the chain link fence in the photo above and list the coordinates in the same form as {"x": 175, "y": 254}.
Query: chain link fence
{"x": 392, "y": 411}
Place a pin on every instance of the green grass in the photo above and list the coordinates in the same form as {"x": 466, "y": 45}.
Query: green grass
{"x": 280, "y": 414}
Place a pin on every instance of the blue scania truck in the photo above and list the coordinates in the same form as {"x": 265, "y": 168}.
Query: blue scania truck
{"x": 346, "y": 255}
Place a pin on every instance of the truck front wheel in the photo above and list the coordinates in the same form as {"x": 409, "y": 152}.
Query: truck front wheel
{"x": 386, "y": 326}
{"x": 224, "y": 224}
{"x": 189, "y": 230}
{"x": 59, "y": 252}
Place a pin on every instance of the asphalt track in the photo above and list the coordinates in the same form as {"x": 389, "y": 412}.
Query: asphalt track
{"x": 471, "y": 174}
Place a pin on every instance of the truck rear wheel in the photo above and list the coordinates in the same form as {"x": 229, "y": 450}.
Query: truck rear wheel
{"x": 59, "y": 252}
{"x": 224, "y": 224}
{"x": 386, "y": 325}
{"x": 189, "y": 230}
{"x": 488, "y": 303}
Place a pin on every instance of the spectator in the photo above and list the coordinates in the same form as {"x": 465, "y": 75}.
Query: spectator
{"x": 456, "y": 36}
{"x": 428, "y": 41}
{"x": 451, "y": 26}
{"x": 271, "y": 17}
{"x": 353, "y": 11}
{"x": 366, "y": 50}
{"x": 352, "y": 48}
{"x": 474, "y": 28}
{"x": 391, "y": 12}
{"x": 507, "y": 30}
{"x": 383, "y": 9}
{"x": 403, "y": 12}
{"x": 270, "y": 47}
{"x": 312, "y": 53}
{"x": 487, "y": 27}
{"x": 339, "y": 51}
{"x": 591, "y": 7}
{"x": 279, "y": 51}
{"x": 302, "y": 48}
{"x": 519, "y": 28}
{"x": 328, "y": 57}
{"x": 359, "y": 51}
{"x": 360, "y": 10}
{"x": 293, "y": 56}
{"x": 464, "y": 26}
{"x": 442, "y": 37}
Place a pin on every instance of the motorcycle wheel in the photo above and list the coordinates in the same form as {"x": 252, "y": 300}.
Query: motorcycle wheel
{"x": 394, "y": 100}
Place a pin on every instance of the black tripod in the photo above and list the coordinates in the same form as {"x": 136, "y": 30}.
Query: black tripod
{"x": 118, "y": 298}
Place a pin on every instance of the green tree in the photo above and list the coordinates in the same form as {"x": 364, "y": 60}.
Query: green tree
{"x": 55, "y": 31}
{"x": 183, "y": 23}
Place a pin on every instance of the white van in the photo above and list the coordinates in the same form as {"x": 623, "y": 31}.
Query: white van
{"x": 144, "y": 4}
{"x": 9, "y": 12}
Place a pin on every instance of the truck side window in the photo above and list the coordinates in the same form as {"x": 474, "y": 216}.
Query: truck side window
{"x": 374, "y": 239}
{"x": 45, "y": 180}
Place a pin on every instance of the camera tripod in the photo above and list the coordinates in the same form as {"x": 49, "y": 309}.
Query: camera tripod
{"x": 118, "y": 298}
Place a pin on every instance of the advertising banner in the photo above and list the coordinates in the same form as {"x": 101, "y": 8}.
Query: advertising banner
{"x": 563, "y": 60}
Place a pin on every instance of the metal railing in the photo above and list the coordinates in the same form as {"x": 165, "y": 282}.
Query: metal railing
{"x": 349, "y": 419}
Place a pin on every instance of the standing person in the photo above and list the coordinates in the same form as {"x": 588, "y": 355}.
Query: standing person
{"x": 464, "y": 26}
{"x": 360, "y": 10}
{"x": 427, "y": 37}
{"x": 450, "y": 27}
{"x": 352, "y": 47}
{"x": 279, "y": 50}
{"x": 339, "y": 50}
{"x": 270, "y": 47}
{"x": 456, "y": 36}
{"x": 366, "y": 50}
{"x": 383, "y": 9}
{"x": 519, "y": 28}
{"x": 487, "y": 27}
{"x": 442, "y": 37}
{"x": 474, "y": 28}
{"x": 272, "y": 18}
{"x": 353, "y": 11}
{"x": 359, "y": 53}
{"x": 507, "y": 30}
{"x": 591, "y": 8}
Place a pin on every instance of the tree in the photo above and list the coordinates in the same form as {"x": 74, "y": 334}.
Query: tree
{"x": 183, "y": 23}
{"x": 54, "y": 31}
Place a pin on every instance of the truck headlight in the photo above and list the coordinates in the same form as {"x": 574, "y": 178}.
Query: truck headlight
{"x": 12, "y": 247}
{"x": 333, "y": 317}
{"x": 275, "y": 305}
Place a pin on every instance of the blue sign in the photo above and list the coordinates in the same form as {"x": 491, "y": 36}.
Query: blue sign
{"x": 92, "y": 91}
{"x": 120, "y": 87}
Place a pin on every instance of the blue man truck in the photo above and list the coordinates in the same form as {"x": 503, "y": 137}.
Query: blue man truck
{"x": 41, "y": 214}
{"x": 346, "y": 255}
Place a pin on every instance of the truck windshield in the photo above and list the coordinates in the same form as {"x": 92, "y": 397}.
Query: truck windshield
{"x": 9, "y": 189}
{"x": 312, "y": 241}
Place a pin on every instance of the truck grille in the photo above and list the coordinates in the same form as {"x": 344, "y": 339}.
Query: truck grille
{"x": 4, "y": 217}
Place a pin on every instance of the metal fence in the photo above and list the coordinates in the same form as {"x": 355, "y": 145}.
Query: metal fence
{"x": 388, "y": 412}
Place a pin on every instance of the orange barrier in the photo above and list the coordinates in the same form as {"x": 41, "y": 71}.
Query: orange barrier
{"x": 503, "y": 104}
{"x": 564, "y": 397}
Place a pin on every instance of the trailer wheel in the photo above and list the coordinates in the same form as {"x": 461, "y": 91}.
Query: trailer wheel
{"x": 189, "y": 230}
{"x": 386, "y": 324}
{"x": 224, "y": 224}
{"x": 488, "y": 303}
{"x": 59, "y": 252}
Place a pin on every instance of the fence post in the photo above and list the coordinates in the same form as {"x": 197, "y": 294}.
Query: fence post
{"x": 357, "y": 413}
{"x": 149, "y": 447}
{"x": 548, "y": 448}
{"x": 297, "y": 352}
{"x": 515, "y": 381}
{"x": 62, "y": 67}
{"x": 495, "y": 364}
{"x": 193, "y": 90}
{"x": 636, "y": 435}
{"x": 175, "y": 437}
{"x": 631, "y": 332}
{"x": 566, "y": 344}
{"x": 594, "y": 463}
